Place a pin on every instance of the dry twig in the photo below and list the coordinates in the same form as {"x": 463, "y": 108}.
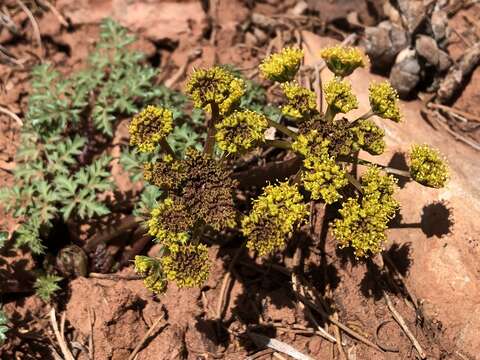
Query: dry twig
{"x": 455, "y": 78}
{"x": 91, "y": 320}
{"x": 226, "y": 283}
{"x": 113, "y": 276}
{"x": 399, "y": 319}
{"x": 338, "y": 337}
{"x": 377, "y": 337}
{"x": 145, "y": 337}
{"x": 345, "y": 328}
{"x": 183, "y": 69}
{"x": 5, "y": 111}
{"x": 9, "y": 58}
{"x": 36, "y": 28}
{"x": 453, "y": 110}
{"x": 392, "y": 266}
{"x": 60, "y": 335}
{"x": 259, "y": 354}
{"x": 54, "y": 11}
{"x": 277, "y": 345}
{"x": 444, "y": 124}
{"x": 298, "y": 289}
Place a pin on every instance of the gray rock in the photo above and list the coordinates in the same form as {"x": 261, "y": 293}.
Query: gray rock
{"x": 444, "y": 61}
{"x": 383, "y": 43}
{"x": 405, "y": 74}
{"x": 427, "y": 49}
{"x": 413, "y": 13}
{"x": 439, "y": 23}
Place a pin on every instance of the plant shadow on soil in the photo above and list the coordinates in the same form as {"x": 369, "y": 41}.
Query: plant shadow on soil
{"x": 264, "y": 287}
{"x": 436, "y": 220}
{"x": 399, "y": 161}
{"x": 265, "y": 294}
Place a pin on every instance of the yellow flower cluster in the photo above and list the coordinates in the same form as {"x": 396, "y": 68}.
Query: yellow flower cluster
{"x": 188, "y": 266}
{"x": 148, "y": 128}
{"x": 384, "y": 101}
{"x": 274, "y": 216}
{"x": 150, "y": 268}
{"x": 343, "y": 60}
{"x": 169, "y": 223}
{"x": 364, "y": 221}
{"x": 427, "y": 166}
{"x": 301, "y": 102}
{"x": 368, "y": 136}
{"x": 215, "y": 86}
{"x": 322, "y": 176}
{"x": 282, "y": 66}
{"x": 240, "y": 131}
{"x": 339, "y": 96}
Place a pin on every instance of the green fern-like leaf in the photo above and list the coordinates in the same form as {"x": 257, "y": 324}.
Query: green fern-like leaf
{"x": 28, "y": 234}
{"x": 132, "y": 162}
{"x": 46, "y": 286}
{"x": 54, "y": 176}
{"x": 148, "y": 200}
{"x": 79, "y": 194}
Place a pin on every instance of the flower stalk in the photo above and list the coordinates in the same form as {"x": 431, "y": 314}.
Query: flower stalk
{"x": 282, "y": 128}
{"x": 211, "y": 130}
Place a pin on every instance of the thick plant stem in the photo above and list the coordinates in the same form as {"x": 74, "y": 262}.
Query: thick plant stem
{"x": 282, "y": 144}
{"x": 282, "y": 128}
{"x": 365, "y": 116}
{"x": 354, "y": 182}
{"x": 329, "y": 114}
{"x": 214, "y": 119}
{"x": 388, "y": 169}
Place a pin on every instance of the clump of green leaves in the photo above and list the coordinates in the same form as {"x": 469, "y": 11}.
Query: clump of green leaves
{"x": 62, "y": 168}
{"x": 198, "y": 189}
{"x": 46, "y": 286}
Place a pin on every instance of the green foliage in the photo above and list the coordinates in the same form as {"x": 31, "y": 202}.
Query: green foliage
{"x": 148, "y": 200}
{"x": 62, "y": 170}
{"x": 3, "y": 326}
{"x": 78, "y": 193}
{"x": 46, "y": 286}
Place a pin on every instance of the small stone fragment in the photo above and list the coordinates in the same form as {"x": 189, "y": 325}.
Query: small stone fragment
{"x": 413, "y": 12}
{"x": 439, "y": 24}
{"x": 261, "y": 35}
{"x": 383, "y": 43}
{"x": 428, "y": 49}
{"x": 405, "y": 74}
{"x": 444, "y": 61}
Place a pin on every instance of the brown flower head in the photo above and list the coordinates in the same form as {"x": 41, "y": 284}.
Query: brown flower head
{"x": 207, "y": 191}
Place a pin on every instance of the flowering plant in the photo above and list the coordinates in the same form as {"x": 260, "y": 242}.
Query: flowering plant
{"x": 200, "y": 187}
